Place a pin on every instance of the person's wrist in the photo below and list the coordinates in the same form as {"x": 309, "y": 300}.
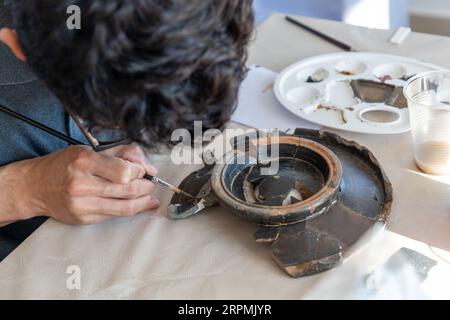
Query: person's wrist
{"x": 23, "y": 192}
{"x": 35, "y": 204}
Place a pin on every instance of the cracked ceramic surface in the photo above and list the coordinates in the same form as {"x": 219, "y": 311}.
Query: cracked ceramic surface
{"x": 328, "y": 192}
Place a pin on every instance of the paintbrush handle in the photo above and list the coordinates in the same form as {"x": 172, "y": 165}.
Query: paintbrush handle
{"x": 167, "y": 185}
{"x": 161, "y": 183}
{"x": 325, "y": 37}
{"x": 72, "y": 141}
{"x": 40, "y": 126}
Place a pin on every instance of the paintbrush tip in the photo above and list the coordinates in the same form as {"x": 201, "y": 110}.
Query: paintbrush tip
{"x": 187, "y": 195}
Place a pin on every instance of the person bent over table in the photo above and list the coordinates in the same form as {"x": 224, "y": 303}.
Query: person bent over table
{"x": 138, "y": 68}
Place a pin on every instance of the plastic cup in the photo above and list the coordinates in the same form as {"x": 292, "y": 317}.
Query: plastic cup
{"x": 428, "y": 96}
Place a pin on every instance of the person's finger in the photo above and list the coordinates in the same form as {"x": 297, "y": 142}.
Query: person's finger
{"x": 149, "y": 169}
{"x": 135, "y": 189}
{"x": 116, "y": 170}
{"x": 120, "y": 208}
{"x": 135, "y": 154}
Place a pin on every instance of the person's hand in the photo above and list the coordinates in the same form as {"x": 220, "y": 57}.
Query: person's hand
{"x": 80, "y": 186}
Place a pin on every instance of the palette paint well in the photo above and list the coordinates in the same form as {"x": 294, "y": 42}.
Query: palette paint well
{"x": 350, "y": 91}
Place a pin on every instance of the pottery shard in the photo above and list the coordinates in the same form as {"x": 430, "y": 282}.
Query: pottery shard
{"x": 307, "y": 253}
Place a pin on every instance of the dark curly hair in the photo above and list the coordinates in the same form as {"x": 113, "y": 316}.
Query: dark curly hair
{"x": 145, "y": 66}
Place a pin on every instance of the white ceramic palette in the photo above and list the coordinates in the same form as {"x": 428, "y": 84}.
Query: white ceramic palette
{"x": 352, "y": 91}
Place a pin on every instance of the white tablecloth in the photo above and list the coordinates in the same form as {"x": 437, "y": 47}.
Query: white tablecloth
{"x": 214, "y": 254}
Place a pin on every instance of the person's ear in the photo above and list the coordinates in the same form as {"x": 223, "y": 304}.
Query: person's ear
{"x": 10, "y": 38}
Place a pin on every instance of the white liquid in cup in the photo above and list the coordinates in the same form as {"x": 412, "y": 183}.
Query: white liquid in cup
{"x": 428, "y": 96}
{"x": 433, "y": 157}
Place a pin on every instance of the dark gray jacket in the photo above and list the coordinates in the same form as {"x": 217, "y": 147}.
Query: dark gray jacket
{"x": 21, "y": 91}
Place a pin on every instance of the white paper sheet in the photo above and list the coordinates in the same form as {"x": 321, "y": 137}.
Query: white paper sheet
{"x": 258, "y": 107}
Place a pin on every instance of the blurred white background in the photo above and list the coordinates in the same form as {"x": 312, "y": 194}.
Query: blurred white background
{"x": 430, "y": 16}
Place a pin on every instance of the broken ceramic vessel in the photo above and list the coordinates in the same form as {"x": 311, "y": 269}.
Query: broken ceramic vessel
{"x": 326, "y": 194}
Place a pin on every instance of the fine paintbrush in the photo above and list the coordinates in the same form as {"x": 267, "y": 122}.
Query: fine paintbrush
{"x": 71, "y": 141}
{"x": 167, "y": 186}
{"x": 319, "y": 34}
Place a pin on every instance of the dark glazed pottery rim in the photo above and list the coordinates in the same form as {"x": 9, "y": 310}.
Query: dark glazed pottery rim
{"x": 363, "y": 200}
{"x": 294, "y": 213}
